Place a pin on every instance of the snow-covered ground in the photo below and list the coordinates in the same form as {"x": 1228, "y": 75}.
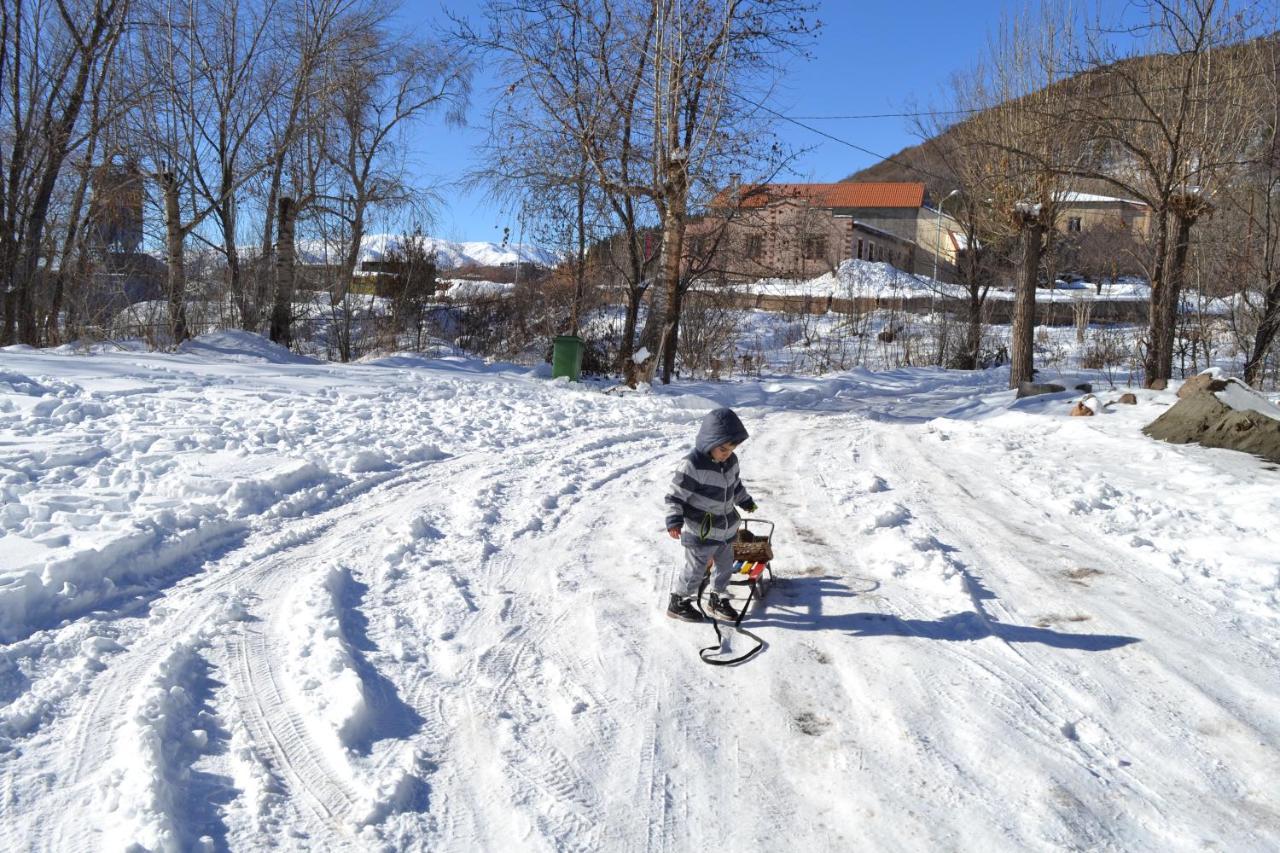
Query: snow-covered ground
{"x": 868, "y": 279}
{"x": 253, "y": 601}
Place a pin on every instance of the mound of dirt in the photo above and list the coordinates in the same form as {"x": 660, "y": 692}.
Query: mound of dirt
{"x": 1206, "y": 417}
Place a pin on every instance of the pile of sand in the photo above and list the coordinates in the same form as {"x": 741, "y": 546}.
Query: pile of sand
{"x": 1214, "y": 412}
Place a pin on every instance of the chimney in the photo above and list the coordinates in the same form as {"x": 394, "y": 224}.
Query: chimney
{"x": 735, "y": 187}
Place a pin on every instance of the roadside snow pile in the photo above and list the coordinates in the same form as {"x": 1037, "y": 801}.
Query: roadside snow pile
{"x": 233, "y": 345}
{"x": 1222, "y": 413}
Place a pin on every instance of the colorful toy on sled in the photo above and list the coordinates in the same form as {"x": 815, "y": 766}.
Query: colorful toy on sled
{"x": 752, "y": 554}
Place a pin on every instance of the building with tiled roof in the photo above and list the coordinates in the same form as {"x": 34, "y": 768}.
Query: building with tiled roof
{"x": 803, "y": 230}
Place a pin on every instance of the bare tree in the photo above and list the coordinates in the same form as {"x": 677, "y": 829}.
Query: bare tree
{"x": 705, "y": 56}
{"x": 1161, "y": 128}
{"x": 656, "y": 94}
{"x": 384, "y": 85}
{"x": 196, "y": 131}
{"x": 1026, "y": 149}
{"x": 50, "y": 55}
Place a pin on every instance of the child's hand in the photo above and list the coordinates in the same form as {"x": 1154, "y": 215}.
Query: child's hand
{"x": 750, "y": 507}
{"x": 673, "y": 532}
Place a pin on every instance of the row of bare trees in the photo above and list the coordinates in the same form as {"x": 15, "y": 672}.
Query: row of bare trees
{"x": 243, "y": 127}
{"x": 1177, "y": 110}
{"x": 628, "y": 115}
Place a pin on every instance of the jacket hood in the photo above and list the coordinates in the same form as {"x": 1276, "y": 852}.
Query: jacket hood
{"x": 718, "y": 427}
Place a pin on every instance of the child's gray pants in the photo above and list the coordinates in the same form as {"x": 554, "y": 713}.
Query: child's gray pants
{"x": 696, "y": 555}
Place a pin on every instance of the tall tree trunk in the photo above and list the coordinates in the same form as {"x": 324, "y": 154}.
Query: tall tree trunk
{"x": 651, "y": 333}
{"x": 1021, "y": 355}
{"x": 1268, "y": 328}
{"x": 282, "y": 304}
{"x": 342, "y": 288}
{"x": 177, "y": 273}
{"x": 1157, "y": 311}
{"x": 1187, "y": 209}
{"x": 672, "y": 248}
{"x": 580, "y": 268}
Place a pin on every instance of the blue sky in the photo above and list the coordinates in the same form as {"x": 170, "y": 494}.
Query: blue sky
{"x": 870, "y": 57}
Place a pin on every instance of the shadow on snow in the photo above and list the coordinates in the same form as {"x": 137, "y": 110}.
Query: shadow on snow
{"x": 797, "y": 604}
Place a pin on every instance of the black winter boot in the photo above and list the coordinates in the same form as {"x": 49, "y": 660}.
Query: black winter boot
{"x": 722, "y": 609}
{"x": 683, "y": 608}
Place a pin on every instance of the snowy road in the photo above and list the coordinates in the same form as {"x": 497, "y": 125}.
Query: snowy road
{"x": 418, "y": 606}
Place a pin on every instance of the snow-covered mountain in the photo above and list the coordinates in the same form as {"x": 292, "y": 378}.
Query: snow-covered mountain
{"x": 449, "y": 254}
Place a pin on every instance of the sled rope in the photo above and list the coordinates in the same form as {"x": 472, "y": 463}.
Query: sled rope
{"x": 737, "y": 626}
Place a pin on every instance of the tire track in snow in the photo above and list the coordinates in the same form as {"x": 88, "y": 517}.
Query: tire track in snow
{"x": 1071, "y": 713}
{"x": 837, "y": 501}
{"x": 190, "y": 603}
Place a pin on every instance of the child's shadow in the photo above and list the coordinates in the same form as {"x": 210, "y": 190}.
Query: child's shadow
{"x": 797, "y": 604}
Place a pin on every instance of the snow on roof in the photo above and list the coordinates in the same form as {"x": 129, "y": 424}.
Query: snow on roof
{"x": 1090, "y": 198}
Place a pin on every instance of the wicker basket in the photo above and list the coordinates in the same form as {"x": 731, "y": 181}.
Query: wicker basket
{"x": 752, "y": 547}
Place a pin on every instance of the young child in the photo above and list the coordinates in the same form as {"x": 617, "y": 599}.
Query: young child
{"x": 701, "y": 514}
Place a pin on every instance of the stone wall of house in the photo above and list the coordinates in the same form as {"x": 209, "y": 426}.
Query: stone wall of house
{"x": 792, "y": 239}
{"x": 1115, "y": 214}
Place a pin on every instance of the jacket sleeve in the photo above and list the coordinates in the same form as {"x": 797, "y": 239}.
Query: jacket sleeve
{"x": 678, "y": 495}
{"x": 741, "y": 496}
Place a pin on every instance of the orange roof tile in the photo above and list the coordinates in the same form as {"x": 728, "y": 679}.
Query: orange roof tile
{"x": 844, "y": 194}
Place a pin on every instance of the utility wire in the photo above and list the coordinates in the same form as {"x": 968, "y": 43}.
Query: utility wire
{"x": 855, "y": 146}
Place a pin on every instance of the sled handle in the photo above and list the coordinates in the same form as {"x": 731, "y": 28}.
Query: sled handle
{"x": 747, "y": 522}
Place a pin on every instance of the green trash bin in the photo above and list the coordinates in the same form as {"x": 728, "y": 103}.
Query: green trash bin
{"x": 566, "y": 357}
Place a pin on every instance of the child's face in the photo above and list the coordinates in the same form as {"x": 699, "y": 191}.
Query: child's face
{"x": 721, "y": 452}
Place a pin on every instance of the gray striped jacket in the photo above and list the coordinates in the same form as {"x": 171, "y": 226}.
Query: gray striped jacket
{"x": 702, "y": 498}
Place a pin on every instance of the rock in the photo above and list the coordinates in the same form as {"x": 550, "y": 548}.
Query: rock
{"x": 1085, "y": 387}
{"x": 1158, "y": 384}
{"x": 1128, "y": 399}
{"x": 1201, "y": 382}
{"x": 1088, "y": 406}
{"x": 1032, "y": 389}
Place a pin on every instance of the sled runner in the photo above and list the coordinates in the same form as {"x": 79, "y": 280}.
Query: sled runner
{"x": 752, "y": 554}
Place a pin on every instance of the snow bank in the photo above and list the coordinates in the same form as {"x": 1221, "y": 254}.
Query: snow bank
{"x": 233, "y": 345}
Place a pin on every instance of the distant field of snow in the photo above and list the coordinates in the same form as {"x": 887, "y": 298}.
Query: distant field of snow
{"x": 252, "y": 601}
{"x": 855, "y": 278}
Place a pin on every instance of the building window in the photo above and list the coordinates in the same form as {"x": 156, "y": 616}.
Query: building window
{"x": 815, "y": 248}
{"x": 859, "y": 255}
{"x": 755, "y": 246}
{"x": 1073, "y": 224}
{"x": 871, "y": 251}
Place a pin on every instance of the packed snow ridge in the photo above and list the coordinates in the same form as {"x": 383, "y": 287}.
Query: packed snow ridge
{"x": 252, "y": 601}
